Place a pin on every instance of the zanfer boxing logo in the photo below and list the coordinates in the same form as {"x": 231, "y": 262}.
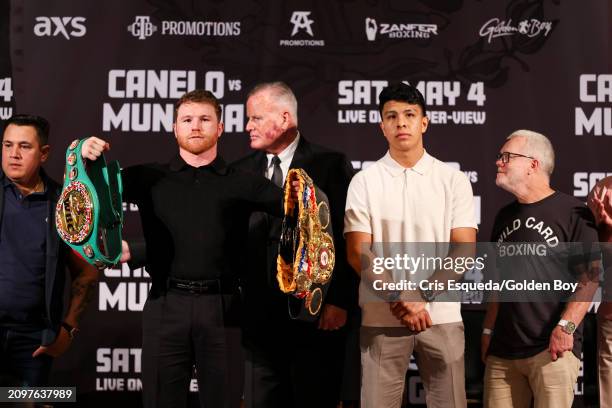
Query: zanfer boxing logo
{"x": 371, "y": 28}
{"x": 392, "y": 30}
{"x": 67, "y": 27}
{"x": 142, "y": 27}
{"x": 300, "y": 21}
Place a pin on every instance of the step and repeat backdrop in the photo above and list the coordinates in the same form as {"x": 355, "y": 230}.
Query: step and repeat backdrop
{"x": 486, "y": 68}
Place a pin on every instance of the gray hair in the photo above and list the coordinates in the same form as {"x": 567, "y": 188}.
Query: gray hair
{"x": 537, "y": 145}
{"x": 281, "y": 94}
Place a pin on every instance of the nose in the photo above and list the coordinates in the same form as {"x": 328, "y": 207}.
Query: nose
{"x": 401, "y": 121}
{"x": 499, "y": 162}
{"x": 14, "y": 152}
{"x": 249, "y": 125}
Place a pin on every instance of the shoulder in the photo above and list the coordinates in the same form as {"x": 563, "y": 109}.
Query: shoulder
{"x": 247, "y": 161}
{"x": 507, "y": 210}
{"x": 577, "y": 208}
{"x": 371, "y": 175}
{"x": 567, "y": 200}
{"x": 322, "y": 154}
{"x": 144, "y": 173}
{"x": 448, "y": 172}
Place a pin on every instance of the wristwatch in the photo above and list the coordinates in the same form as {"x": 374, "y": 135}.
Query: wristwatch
{"x": 567, "y": 326}
{"x": 72, "y": 331}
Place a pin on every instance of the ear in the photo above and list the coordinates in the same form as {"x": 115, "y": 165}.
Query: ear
{"x": 220, "y": 128}
{"x": 45, "y": 153}
{"x": 286, "y": 120}
{"x": 424, "y": 124}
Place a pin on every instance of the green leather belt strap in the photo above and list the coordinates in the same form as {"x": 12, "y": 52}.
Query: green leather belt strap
{"x": 89, "y": 213}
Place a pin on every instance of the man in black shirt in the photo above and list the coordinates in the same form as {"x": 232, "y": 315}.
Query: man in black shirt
{"x": 33, "y": 260}
{"x": 532, "y": 349}
{"x": 194, "y": 213}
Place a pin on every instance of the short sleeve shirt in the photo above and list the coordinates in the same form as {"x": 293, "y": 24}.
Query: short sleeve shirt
{"x": 419, "y": 204}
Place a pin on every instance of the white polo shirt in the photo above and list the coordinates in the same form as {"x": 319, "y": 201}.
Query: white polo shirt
{"x": 419, "y": 204}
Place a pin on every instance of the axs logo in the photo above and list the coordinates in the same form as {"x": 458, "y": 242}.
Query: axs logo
{"x": 65, "y": 26}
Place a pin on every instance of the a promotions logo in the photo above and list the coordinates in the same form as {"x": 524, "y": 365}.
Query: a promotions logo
{"x": 495, "y": 28}
{"x": 302, "y": 24}
{"x": 389, "y": 30}
{"x": 67, "y": 27}
{"x": 142, "y": 27}
{"x": 300, "y": 21}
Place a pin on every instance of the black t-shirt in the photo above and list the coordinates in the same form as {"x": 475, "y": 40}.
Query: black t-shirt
{"x": 522, "y": 329}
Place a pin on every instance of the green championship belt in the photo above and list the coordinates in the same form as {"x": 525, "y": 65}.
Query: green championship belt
{"x": 306, "y": 255}
{"x": 89, "y": 213}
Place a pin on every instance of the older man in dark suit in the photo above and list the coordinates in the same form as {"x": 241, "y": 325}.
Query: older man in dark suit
{"x": 291, "y": 363}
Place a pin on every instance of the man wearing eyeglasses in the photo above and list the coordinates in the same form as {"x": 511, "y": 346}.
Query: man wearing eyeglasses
{"x": 531, "y": 348}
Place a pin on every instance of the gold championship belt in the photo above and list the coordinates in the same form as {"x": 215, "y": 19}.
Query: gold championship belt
{"x": 306, "y": 255}
{"x": 89, "y": 214}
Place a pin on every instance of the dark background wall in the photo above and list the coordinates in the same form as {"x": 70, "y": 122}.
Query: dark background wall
{"x": 115, "y": 68}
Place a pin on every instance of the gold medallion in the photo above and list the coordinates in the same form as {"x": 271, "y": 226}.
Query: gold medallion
{"x": 314, "y": 300}
{"x": 71, "y": 159}
{"x": 73, "y": 213}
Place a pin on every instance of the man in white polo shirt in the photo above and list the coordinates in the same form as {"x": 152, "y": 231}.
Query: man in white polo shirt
{"x": 408, "y": 196}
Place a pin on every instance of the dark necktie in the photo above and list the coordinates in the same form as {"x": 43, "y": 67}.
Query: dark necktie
{"x": 277, "y": 173}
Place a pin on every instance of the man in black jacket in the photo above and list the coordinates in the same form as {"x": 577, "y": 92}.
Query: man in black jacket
{"x": 33, "y": 259}
{"x": 291, "y": 363}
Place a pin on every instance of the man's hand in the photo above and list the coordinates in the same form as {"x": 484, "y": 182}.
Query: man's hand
{"x": 417, "y": 322}
{"x": 126, "y": 255}
{"x": 485, "y": 342}
{"x": 399, "y": 309}
{"x": 295, "y": 189}
{"x": 93, "y": 148}
{"x": 560, "y": 342}
{"x": 332, "y": 318}
{"x": 600, "y": 203}
{"x": 58, "y": 347}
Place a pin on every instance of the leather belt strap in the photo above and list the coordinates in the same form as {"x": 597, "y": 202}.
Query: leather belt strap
{"x": 206, "y": 286}
{"x": 89, "y": 212}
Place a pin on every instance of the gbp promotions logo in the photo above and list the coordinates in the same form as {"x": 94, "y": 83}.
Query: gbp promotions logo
{"x": 142, "y": 27}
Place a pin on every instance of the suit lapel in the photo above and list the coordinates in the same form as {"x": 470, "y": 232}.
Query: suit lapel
{"x": 301, "y": 154}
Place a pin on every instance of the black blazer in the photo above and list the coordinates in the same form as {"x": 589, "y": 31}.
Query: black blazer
{"x": 265, "y": 305}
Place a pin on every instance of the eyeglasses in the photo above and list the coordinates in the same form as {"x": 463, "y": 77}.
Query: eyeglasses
{"x": 506, "y": 156}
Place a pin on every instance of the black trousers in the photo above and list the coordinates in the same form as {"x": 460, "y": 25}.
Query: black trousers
{"x": 182, "y": 329}
{"x": 17, "y": 366}
{"x": 294, "y": 371}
